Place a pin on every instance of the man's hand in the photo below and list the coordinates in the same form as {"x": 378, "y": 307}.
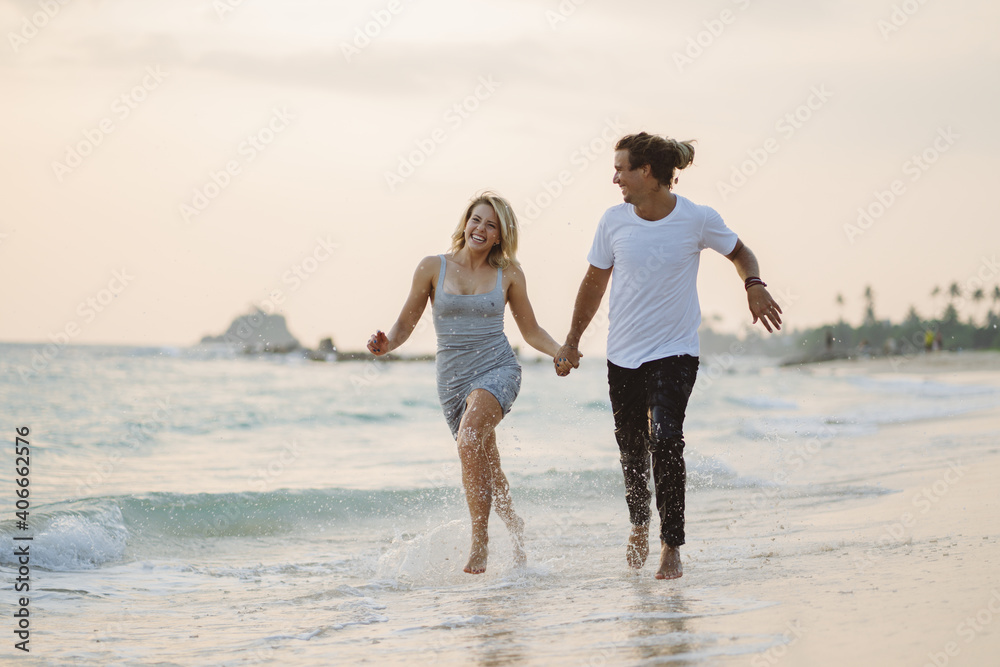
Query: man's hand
{"x": 763, "y": 307}
{"x": 566, "y": 359}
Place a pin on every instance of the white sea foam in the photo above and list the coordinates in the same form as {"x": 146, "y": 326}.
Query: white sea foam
{"x": 70, "y": 541}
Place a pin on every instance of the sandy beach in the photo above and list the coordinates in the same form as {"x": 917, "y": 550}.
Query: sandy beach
{"x": 911, "y": 577}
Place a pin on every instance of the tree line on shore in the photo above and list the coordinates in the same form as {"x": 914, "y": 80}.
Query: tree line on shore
{"x": 969, "y": 319}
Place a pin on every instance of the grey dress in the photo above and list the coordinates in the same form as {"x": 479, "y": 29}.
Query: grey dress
{"x": 472, "y": 350}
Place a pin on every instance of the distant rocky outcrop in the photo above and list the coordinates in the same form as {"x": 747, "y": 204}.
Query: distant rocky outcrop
{"x": 326, "y": 351}
{"x": 257, "y": 332}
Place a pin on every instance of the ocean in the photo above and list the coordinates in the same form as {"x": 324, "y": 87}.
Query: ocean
{"x": 189, "y": 507}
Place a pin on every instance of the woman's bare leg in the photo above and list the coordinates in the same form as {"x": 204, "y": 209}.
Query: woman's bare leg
{"x": 501, "y": 495}
{"x": 482, "y": 414}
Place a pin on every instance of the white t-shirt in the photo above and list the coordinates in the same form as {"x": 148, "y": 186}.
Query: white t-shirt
{"x": 654, "y": 297}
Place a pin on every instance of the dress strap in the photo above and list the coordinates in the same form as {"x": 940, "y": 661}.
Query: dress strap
{"x": 444, "y": 266}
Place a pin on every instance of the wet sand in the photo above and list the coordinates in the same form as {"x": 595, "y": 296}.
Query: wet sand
{"x": 911, "y": 577}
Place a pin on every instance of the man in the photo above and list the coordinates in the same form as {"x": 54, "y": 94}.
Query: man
{"x": 652, "y": 243}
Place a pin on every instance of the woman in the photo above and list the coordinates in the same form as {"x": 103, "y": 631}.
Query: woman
{"x": 478, "y": 375}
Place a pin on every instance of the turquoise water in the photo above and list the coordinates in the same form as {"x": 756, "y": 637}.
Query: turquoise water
{"x": 191, "y": 508}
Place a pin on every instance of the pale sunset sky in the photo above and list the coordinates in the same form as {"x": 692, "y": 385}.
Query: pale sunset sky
{"x": 166, "y": 166}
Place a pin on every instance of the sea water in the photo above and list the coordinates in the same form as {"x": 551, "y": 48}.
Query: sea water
{"x": 190, "y": 507}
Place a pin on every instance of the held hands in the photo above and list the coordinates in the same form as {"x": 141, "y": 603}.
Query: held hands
{"x": 378, "y": 344}
{"x": 763, "y": 307}
{"x": 566, "y": 359}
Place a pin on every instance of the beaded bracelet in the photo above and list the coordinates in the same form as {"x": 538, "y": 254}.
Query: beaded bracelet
{"x": 753, "y": 280}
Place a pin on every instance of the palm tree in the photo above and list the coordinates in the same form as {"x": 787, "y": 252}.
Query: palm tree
{"x": 869, "y": 305}
{"x": 996, "y": 297}
{"x": 954, "y": 292}
{"x": 840, "y": 304}
{"x": 977, "y": 297}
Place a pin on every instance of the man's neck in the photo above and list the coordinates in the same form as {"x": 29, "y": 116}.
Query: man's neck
{"x": 657, "y": 205}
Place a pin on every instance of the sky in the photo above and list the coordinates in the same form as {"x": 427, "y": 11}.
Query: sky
{"x": 167, "y": 166}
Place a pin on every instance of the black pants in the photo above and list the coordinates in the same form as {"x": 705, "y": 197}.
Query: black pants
{"x": 649, "y": 404}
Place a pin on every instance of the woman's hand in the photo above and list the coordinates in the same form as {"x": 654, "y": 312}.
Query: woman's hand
{"x": 378, "y": 344}
{"x": 566, "y": 359}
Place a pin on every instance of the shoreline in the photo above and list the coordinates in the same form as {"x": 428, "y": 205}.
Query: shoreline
{"x": 923, "y": 363}
{"x": 911, "y": 576}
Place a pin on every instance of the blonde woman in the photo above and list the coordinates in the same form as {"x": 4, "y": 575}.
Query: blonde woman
{"x": 477, "y": 373}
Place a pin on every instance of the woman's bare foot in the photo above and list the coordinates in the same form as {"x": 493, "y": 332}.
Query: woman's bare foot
{"x": 638, "y": 547}
{"x": 670, "y": 563}
{"x": 477, "y": 557}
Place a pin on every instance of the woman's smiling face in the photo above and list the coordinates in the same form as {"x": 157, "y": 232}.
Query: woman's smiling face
{"x": 482, "y": 230}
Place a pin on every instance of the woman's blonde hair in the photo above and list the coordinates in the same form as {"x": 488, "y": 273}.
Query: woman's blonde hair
{"x": 505, "y": 254}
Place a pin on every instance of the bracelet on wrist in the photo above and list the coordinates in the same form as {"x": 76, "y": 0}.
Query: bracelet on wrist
{"x": 753, "y": 280}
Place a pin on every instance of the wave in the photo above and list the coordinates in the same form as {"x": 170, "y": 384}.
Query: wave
{"x": 96, "y": 532}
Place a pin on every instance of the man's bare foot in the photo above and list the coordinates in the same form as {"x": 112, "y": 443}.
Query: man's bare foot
{"x": 477, "y": 557}
{"x": 670, "y": 563}
{"x": 638, "y": 547}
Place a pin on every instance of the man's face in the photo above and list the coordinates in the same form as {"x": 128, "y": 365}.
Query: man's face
{"x": 629, "y": 180}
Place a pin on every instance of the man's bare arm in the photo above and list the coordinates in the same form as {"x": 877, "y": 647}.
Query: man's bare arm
{"x": 588, "y": 300}
{"x": 762, "y": 306}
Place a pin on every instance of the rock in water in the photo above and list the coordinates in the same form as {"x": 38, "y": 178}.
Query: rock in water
{"x": 257, "y": 332}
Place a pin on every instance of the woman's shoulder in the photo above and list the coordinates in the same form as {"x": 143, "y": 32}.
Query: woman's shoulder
{"x": 430, "y": 265}
{"x": 513, "y": 273}
{"x": 432, "y": 260}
